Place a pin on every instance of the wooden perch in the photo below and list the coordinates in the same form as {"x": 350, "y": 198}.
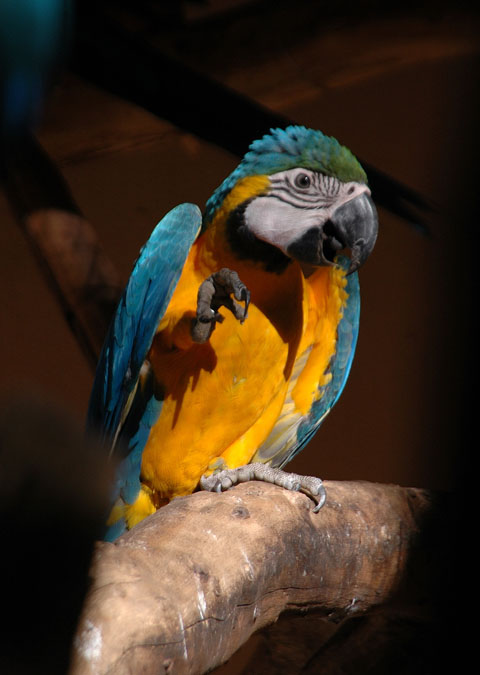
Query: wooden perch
{"x": 183, "y": 590}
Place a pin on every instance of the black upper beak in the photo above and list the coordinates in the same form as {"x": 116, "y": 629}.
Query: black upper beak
{"x": 353, "y": 225}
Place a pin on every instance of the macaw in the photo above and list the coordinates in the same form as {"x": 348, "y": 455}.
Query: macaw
{"x": 192, "y": 398}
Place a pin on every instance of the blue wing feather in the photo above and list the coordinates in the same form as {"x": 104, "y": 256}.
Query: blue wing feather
{"x": 115, "y": 390}
{"x": 140, "y": 309}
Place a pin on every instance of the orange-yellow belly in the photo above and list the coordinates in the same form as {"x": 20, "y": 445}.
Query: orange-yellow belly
{"x": 221, "y": 399}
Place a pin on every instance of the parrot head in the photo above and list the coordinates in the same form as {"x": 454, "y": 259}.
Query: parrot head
{"x": 297, "y": 195}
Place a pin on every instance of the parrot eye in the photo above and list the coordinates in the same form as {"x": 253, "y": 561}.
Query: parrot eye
{"x": 302, "y": 181}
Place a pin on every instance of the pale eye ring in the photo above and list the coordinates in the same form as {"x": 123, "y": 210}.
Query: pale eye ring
{"x": 302, "y": 181}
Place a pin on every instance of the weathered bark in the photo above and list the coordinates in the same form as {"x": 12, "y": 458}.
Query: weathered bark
{"x": 187, "y": 587}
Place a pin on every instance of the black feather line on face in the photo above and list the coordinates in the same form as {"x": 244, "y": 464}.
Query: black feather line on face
{"x": 246, "y": 245}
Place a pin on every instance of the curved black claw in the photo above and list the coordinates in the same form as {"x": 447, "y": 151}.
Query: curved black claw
{"x": 215, "y": 292}
{"x": 310, "y": 485}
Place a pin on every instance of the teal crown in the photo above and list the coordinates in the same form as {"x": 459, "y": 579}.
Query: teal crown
{"x": 284, "y": 149}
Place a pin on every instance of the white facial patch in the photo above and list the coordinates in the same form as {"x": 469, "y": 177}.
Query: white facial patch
{"x": 279, "y": 223}
{"x": 298, "y": 200}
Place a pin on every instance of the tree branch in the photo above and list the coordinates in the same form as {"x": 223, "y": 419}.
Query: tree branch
{"x": 183, "y": 590}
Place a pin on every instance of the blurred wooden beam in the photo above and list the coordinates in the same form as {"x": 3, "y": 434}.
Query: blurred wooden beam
{"x": 79, "y": 272}
{"x": 122, "y": 55}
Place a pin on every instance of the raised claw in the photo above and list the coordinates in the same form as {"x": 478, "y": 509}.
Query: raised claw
{"x": 309, "y": 485}
{"x": 215, "y": 292}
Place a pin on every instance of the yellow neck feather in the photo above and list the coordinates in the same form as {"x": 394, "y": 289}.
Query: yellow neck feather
{"x": 214, "y": 239}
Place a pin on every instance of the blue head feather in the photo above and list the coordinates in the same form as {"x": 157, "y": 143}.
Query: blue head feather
{"x": 284, "y": 149}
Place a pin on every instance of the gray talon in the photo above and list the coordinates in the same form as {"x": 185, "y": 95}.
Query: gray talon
{"x": 308, "y": 485}
{"x": 215, "y": 292}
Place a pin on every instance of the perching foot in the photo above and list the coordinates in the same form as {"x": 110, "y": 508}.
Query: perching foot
{"x": 309, "y": 485}
{"x": 215, "y": 292}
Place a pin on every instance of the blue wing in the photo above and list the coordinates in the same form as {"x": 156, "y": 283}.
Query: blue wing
{"x": 292, "y": 431}
{"x": 118, "y": 402}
